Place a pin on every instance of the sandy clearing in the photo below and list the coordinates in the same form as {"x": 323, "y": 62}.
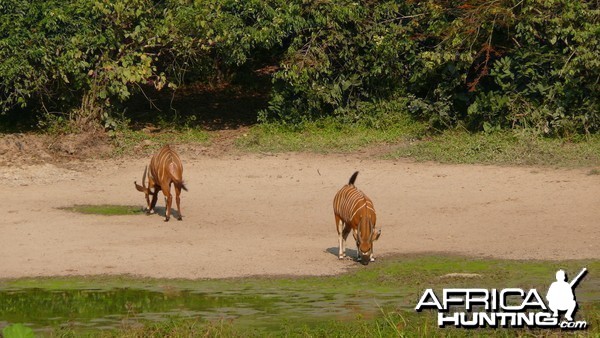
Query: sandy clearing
{"x": 272, "y": 215}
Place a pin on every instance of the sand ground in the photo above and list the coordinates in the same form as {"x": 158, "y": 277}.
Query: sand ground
{"x": 250, "y": 214}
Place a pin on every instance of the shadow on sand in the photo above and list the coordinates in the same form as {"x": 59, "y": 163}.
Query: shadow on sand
{"x": 350, "y": 253}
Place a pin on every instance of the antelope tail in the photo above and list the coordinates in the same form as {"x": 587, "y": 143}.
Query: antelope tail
{"x": 142, "y": 187}
{"x": 176, "y": 175}
{"x": 353, "y": 178}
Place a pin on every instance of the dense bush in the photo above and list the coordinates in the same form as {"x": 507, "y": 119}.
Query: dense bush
{"x": 72, "y": 57}
{"x": 486, "y": 64}
{"x": 482, "y": 64}
{"x": 210, "y": 39}
{"x": 548, "y": 78}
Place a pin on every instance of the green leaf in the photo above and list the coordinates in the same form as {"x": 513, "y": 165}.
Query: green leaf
{"x": 18, "y": 331}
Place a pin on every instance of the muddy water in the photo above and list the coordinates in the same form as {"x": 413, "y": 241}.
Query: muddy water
{"x": 97, "y": 309}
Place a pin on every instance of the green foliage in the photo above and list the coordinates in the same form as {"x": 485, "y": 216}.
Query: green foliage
{"x": 548, "y": 78}
{"x": 71, "y": 58}
{"x": 347, "y": 56}
{"x": 481, "y": 64}
{"x": 17, "y": 331}
{"x": 484, "y": 64}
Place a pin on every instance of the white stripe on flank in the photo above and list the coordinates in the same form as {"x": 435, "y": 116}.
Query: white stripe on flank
{"x": 349, "y": 201}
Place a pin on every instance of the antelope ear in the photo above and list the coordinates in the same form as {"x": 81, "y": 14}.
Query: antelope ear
{"x": 139, "y": 187}
{"x": 375, "y": 235}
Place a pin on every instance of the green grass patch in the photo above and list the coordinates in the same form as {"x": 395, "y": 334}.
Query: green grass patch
{"x": 412, "y": 140}
{"x": 388, "y": 323}
{"x": 376, "y": 300}
{"x": 127, "y": 141}
{"x": 106, "y": 209}
{"x": 503, "y": 148}
{"x": 326, "y": 136}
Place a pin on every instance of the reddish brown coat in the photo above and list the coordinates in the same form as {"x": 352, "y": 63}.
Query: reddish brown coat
{"x": 165, "y": 169}
{"x": 354, "y": 211}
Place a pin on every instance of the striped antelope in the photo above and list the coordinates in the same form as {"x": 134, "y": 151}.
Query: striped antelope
{"x": 165, "y": 169}
{"x": 353, "y": 210}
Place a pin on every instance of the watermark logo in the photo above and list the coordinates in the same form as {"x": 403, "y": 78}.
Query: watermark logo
{"x": 510, "y": 307}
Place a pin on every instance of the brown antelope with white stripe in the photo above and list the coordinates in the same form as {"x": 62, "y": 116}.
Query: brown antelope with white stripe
{"x": 354, "y": 211}
{"x": 165, "y": 169}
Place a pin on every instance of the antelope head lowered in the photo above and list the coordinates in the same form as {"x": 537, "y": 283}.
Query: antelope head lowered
{"x": 365, "y": 235}
{"x": 165, "y": 169}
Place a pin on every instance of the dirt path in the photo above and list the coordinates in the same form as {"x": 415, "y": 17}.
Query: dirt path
{"x": 257, "y": 215}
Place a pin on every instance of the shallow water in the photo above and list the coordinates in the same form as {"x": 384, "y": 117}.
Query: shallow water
{"x": 92, "y": 304}
{"x": 97, "y": 309}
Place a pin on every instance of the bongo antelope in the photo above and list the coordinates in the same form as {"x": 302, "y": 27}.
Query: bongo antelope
{"x": 165, "y": 169}
{"x": 353, "y": 210}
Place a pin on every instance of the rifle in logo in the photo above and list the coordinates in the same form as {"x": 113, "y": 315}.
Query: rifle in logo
{"x": 560, "y": 295}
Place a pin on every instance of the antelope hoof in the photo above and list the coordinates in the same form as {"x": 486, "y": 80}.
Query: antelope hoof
{"x": 166, "y": 219}
{"x": 372, "y": 259}
{"x": 180, "y": 218}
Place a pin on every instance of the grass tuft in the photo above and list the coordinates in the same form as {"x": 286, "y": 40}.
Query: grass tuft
{"x": 106, "y": 209}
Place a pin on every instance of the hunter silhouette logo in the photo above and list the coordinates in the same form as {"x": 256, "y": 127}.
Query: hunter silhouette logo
{"x": 561, "y": 296}
{"x": 510, "y": 307}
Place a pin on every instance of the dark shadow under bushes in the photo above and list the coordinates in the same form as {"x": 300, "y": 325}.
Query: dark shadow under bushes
{"x": 225, "y": 105}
